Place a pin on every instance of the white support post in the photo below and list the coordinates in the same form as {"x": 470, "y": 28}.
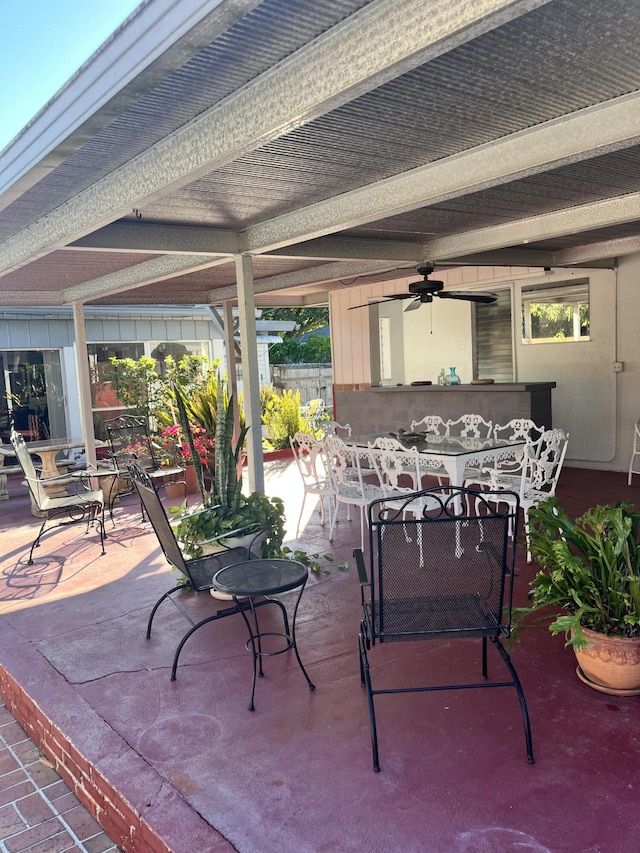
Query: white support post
{"x": 250, "y": 373}
{"x": 232, "y": 373}
{"x": 84, "y": 383}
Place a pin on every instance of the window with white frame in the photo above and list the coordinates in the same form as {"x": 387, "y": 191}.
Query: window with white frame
{"x": 105, "y": 402}
{"x": 556, "y": 313}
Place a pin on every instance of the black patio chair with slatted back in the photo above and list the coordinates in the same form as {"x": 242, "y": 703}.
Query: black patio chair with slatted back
{"x": 198, "y": 572}
{"x": 130, "y": 441}
{"x": 441, "y": 572}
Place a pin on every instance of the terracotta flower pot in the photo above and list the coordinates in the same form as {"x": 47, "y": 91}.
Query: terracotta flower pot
{"x": 192, "y": 479}
{"x": 610, "y": 664}
{"x": 175, "y": 491}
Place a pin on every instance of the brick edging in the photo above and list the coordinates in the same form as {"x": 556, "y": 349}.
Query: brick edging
{"x": 122, "y": 823}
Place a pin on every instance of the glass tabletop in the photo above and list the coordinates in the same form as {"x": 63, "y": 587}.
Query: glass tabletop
{"x": 444, "y": 445}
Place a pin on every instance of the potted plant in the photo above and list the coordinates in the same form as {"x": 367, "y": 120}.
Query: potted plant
{"x": 591, "y": 574}
{"x": 229, "y": 515}
{"x": 225, "y": 509}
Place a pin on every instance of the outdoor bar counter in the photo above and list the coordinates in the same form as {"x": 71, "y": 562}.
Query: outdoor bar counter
{"x": 387, "y": 407}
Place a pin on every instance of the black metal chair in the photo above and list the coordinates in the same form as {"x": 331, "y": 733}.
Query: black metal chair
{"x": 68, "y": 509}
{"x": 130, "y": 441}
{"x": 197, "y": 573}
{"x": 438, "y": 572}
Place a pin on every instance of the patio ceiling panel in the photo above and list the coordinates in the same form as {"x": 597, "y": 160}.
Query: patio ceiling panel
{"x": 367, "y": 133}
{"x": 230, "y": 55}
{"x": 333, "y": 68}
{"x": 595, "y": 238}
{"x": 199, "y": 287}
{"x": 64, "y": 268}
{"x": 607, "y": 176}
{"x": 474, "y": 94}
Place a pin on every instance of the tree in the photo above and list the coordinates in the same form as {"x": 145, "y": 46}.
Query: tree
{"x": 308, "y": 319}
{"x": 317, "y": 350}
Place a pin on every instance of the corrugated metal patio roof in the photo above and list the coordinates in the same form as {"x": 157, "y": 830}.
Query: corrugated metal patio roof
{"x": 330, "y": 141}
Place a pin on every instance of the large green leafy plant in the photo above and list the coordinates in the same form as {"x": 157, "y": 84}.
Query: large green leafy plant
{"x": 283, "y": 418}
{"x": 145, "y": 392}
{"x": 226, "y": 510}
{"x": 591, "y": 571}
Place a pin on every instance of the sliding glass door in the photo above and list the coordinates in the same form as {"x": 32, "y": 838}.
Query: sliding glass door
{"x": 31, "y": 394}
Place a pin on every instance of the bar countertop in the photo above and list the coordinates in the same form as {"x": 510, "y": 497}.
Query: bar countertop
{"x": 492, "y": 388}
{"x": 387, "y": 407}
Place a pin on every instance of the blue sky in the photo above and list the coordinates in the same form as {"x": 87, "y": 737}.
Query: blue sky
{"x": 42, "y": 43}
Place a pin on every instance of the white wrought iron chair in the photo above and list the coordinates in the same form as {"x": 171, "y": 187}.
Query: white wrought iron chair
{"x": 309, "y": 453}
{"x": 398, "y": 470}
{"x": 394, "y": 460}
{"x": 517, "y": 429}
{"x": 315, "y": 411}
{"x": 635, "y": 452}
{"x": 334, "y": 428}
{"x": 542, "y": 464}
{"x": 354, "y": 478}
{"x": 432, "y": 426}
{"x": 470, "y": 426}
{"x": 69, "y": 509}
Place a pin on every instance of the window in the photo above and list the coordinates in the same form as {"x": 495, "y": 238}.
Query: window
{"x": 105, "y": 403}
{"x": 493, "y": 348}
{"x": 31, "y": 396}
{"x": 384, "y": 326}
{"x": 161, "y": 349}
{"x": 556, "y": 313}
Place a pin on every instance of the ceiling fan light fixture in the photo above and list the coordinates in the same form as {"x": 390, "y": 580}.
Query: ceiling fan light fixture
{"x": 422, "y": 293}
{"x": 426, "y": 286}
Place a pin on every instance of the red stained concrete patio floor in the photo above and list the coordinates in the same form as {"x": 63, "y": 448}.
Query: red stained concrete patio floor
{"x": 207, "y": 775}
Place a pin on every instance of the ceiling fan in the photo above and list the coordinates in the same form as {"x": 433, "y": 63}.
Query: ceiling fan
{"x": 422, "y": 292}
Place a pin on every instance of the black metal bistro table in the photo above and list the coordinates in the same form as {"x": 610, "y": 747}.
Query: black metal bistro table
{"x": 263, "y": 579}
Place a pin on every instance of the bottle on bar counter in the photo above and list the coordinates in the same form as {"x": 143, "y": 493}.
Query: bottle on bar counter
{"x": 441, "y": 377}
{"x": 452, "y": 377}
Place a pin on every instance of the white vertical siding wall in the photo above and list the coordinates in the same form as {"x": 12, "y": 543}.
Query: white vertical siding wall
{"x": 627, "y": 322}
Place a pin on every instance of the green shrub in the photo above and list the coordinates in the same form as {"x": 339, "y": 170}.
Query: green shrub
{"x": 283, "y": 418}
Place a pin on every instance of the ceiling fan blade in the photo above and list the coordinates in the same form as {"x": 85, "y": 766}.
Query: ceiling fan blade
{"x": 385, "y": 300}
{"x": 401, "y": 296}
{"x": 413, "y": 305}
{"x": 366, "y": 304}
{"x": 469, "y": 295}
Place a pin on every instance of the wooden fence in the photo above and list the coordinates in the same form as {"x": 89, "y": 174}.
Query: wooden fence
{"x": 312, "y": 380}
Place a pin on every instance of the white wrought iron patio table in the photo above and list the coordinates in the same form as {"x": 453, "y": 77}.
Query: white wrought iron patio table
{"x": 455, "y": 454}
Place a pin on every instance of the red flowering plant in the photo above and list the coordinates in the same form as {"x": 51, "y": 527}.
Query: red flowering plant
{"x": 173, "y": 440}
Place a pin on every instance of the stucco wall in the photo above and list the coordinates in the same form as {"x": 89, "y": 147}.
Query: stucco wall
{"x": 628, "y": 351}
{"x": 585, "y": 397}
